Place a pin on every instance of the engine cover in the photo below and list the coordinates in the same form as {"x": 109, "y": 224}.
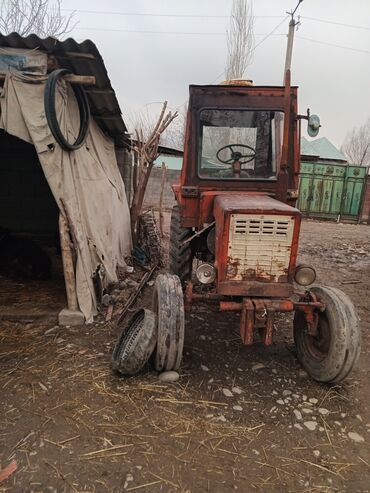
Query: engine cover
{"x": 256, "y": 245}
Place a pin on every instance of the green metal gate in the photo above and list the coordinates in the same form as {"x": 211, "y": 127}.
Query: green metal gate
{"x": 331, "y": 191}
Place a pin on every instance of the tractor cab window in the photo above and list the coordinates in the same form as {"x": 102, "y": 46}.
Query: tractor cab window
{"x": 240, "y": 144}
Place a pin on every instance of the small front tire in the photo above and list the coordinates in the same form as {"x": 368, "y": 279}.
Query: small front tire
{"x": 330, "y": 355}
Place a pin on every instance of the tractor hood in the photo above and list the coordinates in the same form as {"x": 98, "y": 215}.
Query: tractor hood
{"x": 253, "y": 204}
{"x": 256, "y": 244}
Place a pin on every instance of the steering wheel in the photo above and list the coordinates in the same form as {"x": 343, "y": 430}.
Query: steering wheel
{"x": 237, "y": 156}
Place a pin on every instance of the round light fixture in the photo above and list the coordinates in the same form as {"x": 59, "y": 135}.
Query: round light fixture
{"x": 205, "y": 273}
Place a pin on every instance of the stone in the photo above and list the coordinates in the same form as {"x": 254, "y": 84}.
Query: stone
{"x": 310, "y": 425}
{"x": 297, "y": 414}
{"x": 258, "y": 366}
{"x": 227, "y": 393}
{"x": 286, "y": 392}
{"x": 202, "y": 337}
{"x": 222, "y": 418}
{"x": 307, "y": 411}
{"x": 70, "y": 317}
{"x": 313, "y": 400}
{"x": 298, "y": 426}
{"x": 236, "y": 390}
{"x": 129, "y": 479}
{"x": 169, "y": 376}
{"x": 302, "y": 373}
{"x": 316, "y": 453}
{"x": 106, "y": 300}
{"x": 237, "y": 408}
{"x": 204, "y": 367}
{"x": 280, "y": 401}
{"x": 355, "y": 437}
{"x": 323, "y": 411}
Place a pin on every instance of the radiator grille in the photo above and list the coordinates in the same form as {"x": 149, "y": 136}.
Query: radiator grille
{"x": 259, "y": 247}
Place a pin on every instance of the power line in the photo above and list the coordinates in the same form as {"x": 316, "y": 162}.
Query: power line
{"x": 143, "y": 14}
{"x": 315, "y": 19}
{"x": 334, "y": 45}
{"x": 160, "y": 32}
{"x": 270, "y": 34}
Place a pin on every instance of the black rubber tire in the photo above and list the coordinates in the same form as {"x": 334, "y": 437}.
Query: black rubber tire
{"x": 168, "y": 305}
{"x": 343, "y": 341}
{"x": 136, "y": 343}
{"x": 51, "y": 115}
{"x": 181, "y": 256}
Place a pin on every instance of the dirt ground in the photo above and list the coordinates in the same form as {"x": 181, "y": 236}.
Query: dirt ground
{"x": 74, "y": 426}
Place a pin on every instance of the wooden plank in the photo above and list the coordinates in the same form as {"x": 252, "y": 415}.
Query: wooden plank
{"x": 72, "y": 78}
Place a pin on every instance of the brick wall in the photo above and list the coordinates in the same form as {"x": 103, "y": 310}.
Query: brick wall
{"x": 26, "y": 202}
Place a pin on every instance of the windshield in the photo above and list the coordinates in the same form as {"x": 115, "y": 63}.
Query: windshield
{"x": 240, "y": 144}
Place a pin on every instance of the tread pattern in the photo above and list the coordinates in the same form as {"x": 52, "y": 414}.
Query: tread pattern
{"x": 346, "y": 337}
{"x": 168, "y": 304}
{"x": 181, "y": 256}
{"x": 136, "y": 343}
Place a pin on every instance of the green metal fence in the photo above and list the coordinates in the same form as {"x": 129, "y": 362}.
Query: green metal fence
{"x": 331, "y": 191}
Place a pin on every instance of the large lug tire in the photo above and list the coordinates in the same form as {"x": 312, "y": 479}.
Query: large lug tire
{"x": 330, "y": 355}
{"x": 168, "y": 305}
{"x": 181, "y": 255}
{"x": 136, "y": 343}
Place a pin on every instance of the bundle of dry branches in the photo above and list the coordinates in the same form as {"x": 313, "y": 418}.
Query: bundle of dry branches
{"x": 146, "y": 152}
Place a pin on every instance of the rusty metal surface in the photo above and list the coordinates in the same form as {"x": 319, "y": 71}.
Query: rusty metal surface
{"x": 256, "y": 97}
{"x": 253, "y": 282}
{"x": 260, "y": 313}
{"x": 81, "y": 59}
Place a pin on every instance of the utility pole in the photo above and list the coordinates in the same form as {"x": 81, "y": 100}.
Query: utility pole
{"x": 289, "y": 49}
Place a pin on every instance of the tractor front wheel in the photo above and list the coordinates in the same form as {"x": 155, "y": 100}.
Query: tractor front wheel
{"x": 330, "y": 355}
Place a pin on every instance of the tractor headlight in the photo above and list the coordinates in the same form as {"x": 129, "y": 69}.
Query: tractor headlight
{"x": 206, "y": 273}
{"x": 304, "y": 275}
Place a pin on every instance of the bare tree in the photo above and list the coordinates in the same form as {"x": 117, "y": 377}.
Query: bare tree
{"x": 356, "y": 145}
{"x": 41, "y": 17}
{"x": 175, "y": 134}
{"x": 146, "y": 152}
{"x": 240, "y": 39}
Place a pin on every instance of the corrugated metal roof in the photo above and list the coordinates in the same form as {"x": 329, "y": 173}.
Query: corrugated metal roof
{"x": 81, "y": 59}
{"x": 321, "y": 148}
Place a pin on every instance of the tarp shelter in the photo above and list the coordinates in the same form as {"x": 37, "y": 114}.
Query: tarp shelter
{"x": 87, "y": 184}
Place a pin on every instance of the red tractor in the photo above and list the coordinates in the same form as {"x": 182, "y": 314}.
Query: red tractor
{"x": 236, "y": 216}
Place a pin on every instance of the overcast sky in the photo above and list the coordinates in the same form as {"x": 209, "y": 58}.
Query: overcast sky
{"x": 148, "y": 67}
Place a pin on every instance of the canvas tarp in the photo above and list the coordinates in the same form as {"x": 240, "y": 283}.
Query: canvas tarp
{"x": 86, "y": 183}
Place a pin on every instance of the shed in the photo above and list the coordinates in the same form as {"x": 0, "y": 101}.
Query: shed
{"x": 46, "y": 191}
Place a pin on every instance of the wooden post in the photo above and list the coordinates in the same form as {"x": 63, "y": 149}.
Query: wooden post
{"x": 68, "y": 267}
{"x": 163, "y": 183}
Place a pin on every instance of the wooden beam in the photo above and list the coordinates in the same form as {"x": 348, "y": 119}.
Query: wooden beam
{"x": 72, "y": 78}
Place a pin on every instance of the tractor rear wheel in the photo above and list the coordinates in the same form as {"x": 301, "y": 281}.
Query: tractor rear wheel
{"x": 330, "y": 355}
{"x": 168, "y": 305}
{"x": 181, "y": 255}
